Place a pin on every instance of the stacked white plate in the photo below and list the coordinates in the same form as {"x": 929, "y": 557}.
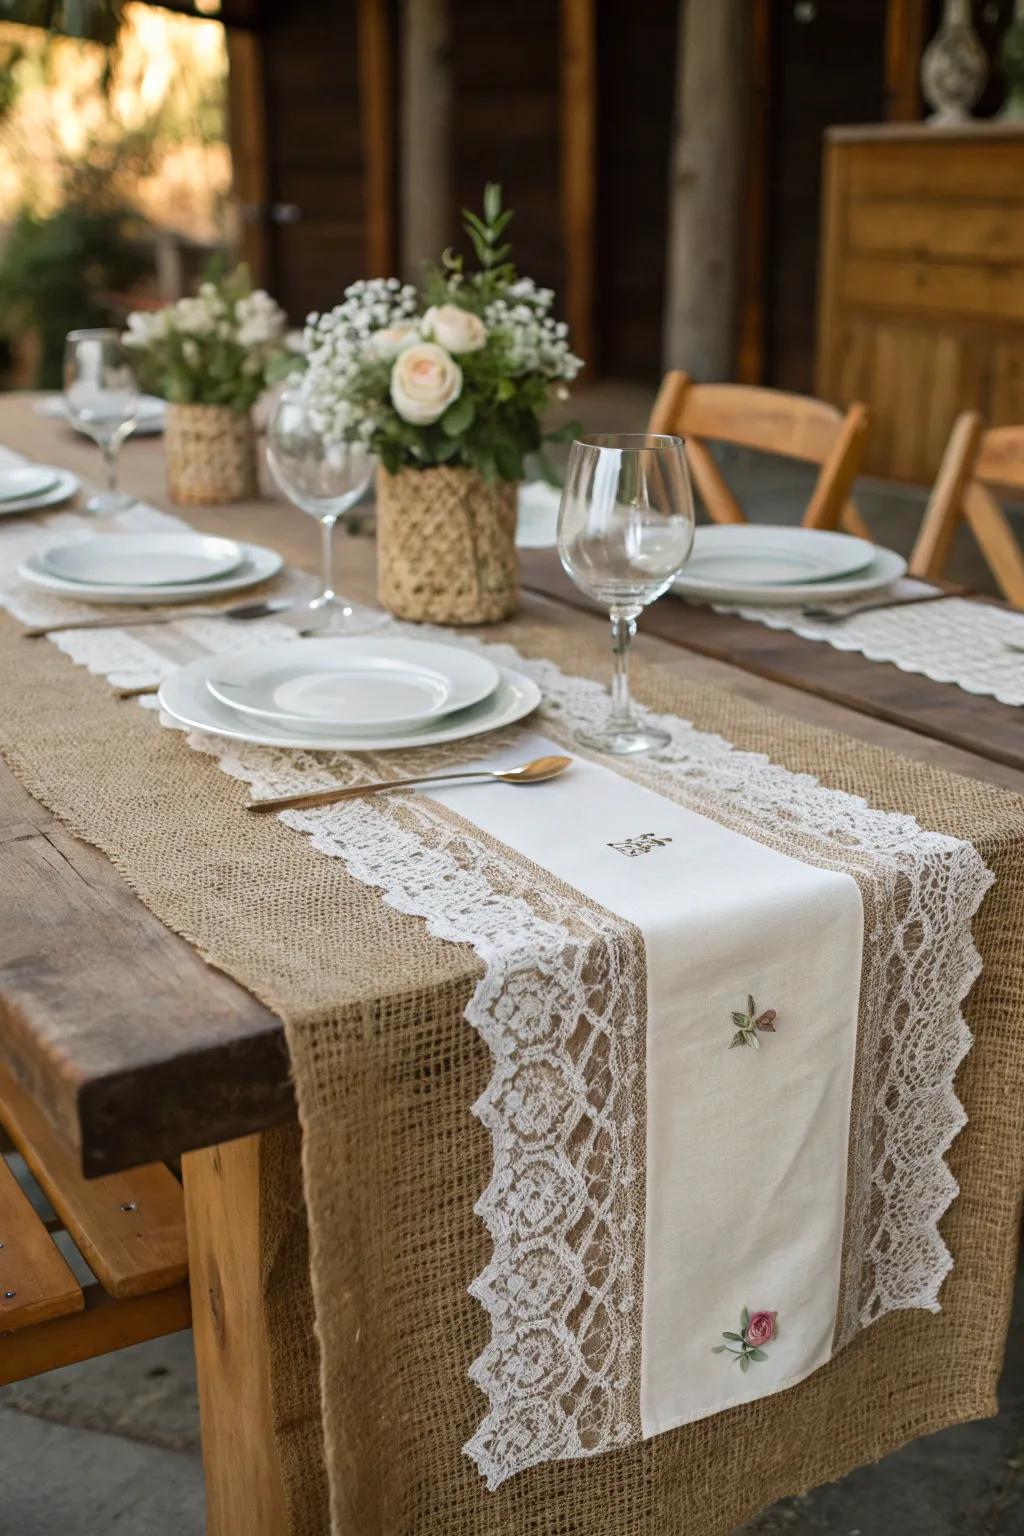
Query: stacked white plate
{"x": 759, "y": 565}
{"x": 146, "y": 568}
{"x": 350, "y": 694}
{"x": 150, "y": 415}
{"x": 28, "y": 487}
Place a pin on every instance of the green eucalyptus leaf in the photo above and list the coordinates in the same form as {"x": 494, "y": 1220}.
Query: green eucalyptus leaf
{"x": 458, "y": 417}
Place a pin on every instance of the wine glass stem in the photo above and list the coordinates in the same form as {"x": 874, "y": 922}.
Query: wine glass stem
{"x": 110, "y": 448}
{"x": 327, "y": 555}
{"x": 623, "y": 630}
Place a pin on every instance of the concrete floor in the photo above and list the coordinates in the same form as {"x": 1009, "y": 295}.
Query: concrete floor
{"x": 112, "y": 1446}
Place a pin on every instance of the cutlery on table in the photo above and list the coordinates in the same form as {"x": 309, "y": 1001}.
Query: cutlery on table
{"x": 534, "y": 772}
{"x": 241, "y": 613}
{"x": 838, "y": 616}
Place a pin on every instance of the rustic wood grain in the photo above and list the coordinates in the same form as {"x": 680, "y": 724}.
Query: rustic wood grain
{"x": 35, "y": 1282}
{"x": 104, "y": 1325}
{"x": 129, "y": 1227}
{"x": 244, "y": 1492}
{"x": 78, "y": 953}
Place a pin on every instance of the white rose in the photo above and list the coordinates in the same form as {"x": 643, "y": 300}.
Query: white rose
{"x": 457, "y": 329}
{"x": 425, "y": 379}
{"x": 392, "y": 339}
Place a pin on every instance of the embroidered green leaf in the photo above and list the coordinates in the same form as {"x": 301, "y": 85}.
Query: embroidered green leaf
{"x": 744, "y": 1319}
{"x": 738, "y": 1039}
{"x": 758, "y": 1354}
{"x": 752, "y": 1040}
{"x": 718, "y": 1349}
{"x": 751, "y": 1006}
{"x": 738, "y": 1337}
{"x": 744, "y": 1363}
{"x": 740, "y": 1020}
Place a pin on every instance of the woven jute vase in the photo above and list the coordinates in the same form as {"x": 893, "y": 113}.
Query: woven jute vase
{"x": 446, "y": 546}
{"x": 211, "y": 454}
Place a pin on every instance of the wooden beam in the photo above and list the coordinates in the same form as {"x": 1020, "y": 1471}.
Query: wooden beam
{"x": 247, "y": 133}
{"x": 904, "y": 42}
{"x": 427, "y": 198}
{"x": 104, "y": 1325}
{"x": 750, "y": 352}
{"x": 579, "y": 171}
{"x": 376, "y": 109}
{"x": 709, "y": 148}
{"x": 244, "y": 1489}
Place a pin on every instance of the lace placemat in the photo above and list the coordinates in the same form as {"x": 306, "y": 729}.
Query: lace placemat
{"x": 977, "y": 646}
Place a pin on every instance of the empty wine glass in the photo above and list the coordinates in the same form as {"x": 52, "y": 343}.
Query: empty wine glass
{"x": 323, "y": 479}
{"x": 101, "y": 398}
{"x": 625, "y": 530}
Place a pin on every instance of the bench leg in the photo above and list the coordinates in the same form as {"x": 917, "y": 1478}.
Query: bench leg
{"x": 244, "y": 1493}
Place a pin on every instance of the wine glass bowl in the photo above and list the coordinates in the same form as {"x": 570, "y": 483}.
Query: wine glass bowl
{"x": 101, "y": 399}
{"x": 625, "y": 530}
{"x": 323, "y": 479}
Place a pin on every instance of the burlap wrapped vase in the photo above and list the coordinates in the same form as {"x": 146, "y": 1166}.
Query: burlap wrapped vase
{"x": 446, "y": 546}
{"x": 211, "y": 454}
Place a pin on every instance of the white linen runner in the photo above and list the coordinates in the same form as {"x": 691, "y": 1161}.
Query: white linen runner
{"x": 969, "y": 644}
{"x": 742, "y": 1203}
{"x": 721, "y": 917}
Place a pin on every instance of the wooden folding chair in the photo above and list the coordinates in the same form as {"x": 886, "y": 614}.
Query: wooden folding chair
{"x": 128, "y": 1227}
{"x": 973, "y": 457}
{"x": 794, "y": 426}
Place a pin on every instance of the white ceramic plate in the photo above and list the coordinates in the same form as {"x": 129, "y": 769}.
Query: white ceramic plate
{"x": 143, "y": 559}
{"x": 25, "y": 481}
{"x": 258, "y": 564}
{"x": 885, "y": 568}
{"x": 152, "y": 412}
{"x": 65, "y": 485}
{"x": 749, "y": 554}
{"x": 363, "y": 685}
{"x": 186, "y": 697}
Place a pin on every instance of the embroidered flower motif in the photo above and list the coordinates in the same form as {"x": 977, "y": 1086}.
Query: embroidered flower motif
{"x": 747, "y": 1024}
{"x": 756, "y": 1329}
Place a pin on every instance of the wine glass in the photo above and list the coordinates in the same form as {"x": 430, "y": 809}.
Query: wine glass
{"x": 625, "y": 530}
{"x": 101, "y": 398}
{"x": 323, "y": 479}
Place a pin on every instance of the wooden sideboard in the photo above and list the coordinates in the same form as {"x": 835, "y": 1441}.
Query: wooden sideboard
{"x": 921, "y": 295}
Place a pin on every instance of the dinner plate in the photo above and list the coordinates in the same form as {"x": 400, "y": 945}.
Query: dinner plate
{"x": 152, "y": 412}
{"x": 258, "y": 564}
{"x": 750, "y": 554}
{"x": 885, "y": 568}
{"x": 64, "y": 484}
{"x": 186, "y": 697}
{"x": 143, "y": 559}
{"x": 360, "y": 684}
{"x": 26, "y": 481}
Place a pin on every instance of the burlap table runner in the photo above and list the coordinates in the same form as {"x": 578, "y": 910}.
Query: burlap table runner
{"x": 388, "y": 1069}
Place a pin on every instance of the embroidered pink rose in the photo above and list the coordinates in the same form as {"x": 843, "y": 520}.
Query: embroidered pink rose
{"x": 756, "y": 1330}
{"x": 761, "y": 1328}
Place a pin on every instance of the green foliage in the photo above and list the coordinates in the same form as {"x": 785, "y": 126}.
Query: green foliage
{"x": 54, "y": 271}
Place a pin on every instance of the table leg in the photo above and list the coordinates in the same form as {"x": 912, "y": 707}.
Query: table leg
{"x": 244, "y": 1492}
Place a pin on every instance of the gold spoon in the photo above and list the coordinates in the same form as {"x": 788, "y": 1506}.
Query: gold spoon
{"x": 534, "y": 772}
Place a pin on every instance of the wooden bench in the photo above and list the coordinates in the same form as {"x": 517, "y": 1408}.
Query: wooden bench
{"x": 128, "y": 1228}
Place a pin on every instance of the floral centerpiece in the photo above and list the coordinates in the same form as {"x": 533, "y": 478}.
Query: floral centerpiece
{"x": 211, "y": 357}
{"x": 447, "y": 387}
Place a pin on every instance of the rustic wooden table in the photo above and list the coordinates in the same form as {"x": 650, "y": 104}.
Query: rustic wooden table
{"x": 209, "y": 1073}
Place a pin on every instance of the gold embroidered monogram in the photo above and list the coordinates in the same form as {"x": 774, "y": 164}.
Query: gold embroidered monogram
{"x": 633, "y": 847}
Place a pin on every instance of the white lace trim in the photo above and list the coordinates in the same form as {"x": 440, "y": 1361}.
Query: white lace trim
{"x": 564, "y": 1205}
{"x": 955, "y": 641}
